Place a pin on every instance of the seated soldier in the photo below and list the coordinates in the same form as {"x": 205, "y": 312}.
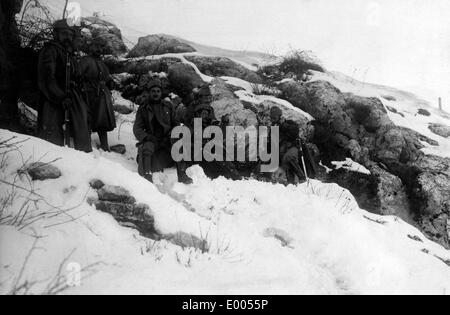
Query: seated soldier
{"x": 152, "y": 128}
{"x": 201, "y": 108}
{"x": 291, "y": 166}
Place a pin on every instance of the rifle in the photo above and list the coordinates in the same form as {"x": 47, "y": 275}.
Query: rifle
{"x": 302, "y": 155}
{"x": 66, "y": 125}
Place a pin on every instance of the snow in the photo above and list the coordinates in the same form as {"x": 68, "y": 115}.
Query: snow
{"x": 247, "y": 95}
{"x": 264, "y": 238}
{"x": 406, "y": 104}
{"x": 119, "y": 100}
{"x": 351, "y": 165}
{"x": 239, "y": 83}
{"x": 258, "y": 99}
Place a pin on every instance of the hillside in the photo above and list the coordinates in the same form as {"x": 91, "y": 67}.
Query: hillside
{"x": 375, "y": 220}
{"x": 274, "y": 239}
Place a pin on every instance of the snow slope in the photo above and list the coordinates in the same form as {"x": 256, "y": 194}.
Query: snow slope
{"x": 263, "y": 238}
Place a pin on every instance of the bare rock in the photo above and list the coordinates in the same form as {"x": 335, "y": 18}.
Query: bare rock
{"x": 440, "y": 130}
{"x": 397, "y": 144}
{"x": 392, "y": 195}
{"x": 389, "y": 98}
{"x": 115, "y": 194}
{"x": 96, "y": 184}
{"x": 419, "y": 136}
{"x": 119, "y": 149}
{"x": 104, "y": 33}
{"x": 137, "y": 216}
{"x": 324, "y": 102}
{"x": 183, "y": 79}
{"x": 42, "y": 171}
{"x": 368, "y": 112}
{"x": 424, "y": 112}
{"x": 225, "y": 102}
{"x": 158, "y": 45}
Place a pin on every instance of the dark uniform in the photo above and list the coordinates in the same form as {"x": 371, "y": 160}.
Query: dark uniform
{"x": 201, "y": 108}
{"x": 152, "y": 128}
{"x": 96, "y": 80}
{"x": 56, "y": 63}
{"x": 290, "y": 146}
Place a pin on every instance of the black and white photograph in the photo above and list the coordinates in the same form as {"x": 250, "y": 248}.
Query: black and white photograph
{"x": 224, "y": 152}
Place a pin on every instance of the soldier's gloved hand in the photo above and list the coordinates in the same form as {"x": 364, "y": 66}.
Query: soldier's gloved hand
{"x": 67, "y": 103}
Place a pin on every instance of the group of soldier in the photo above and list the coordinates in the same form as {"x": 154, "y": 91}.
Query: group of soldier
{"x": 75, "y": 100}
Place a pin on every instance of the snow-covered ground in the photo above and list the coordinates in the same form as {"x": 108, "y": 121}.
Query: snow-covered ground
{"x": 263, "y": 238}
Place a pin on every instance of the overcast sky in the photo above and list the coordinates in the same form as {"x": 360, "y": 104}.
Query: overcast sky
{"x": 401, "y": 43}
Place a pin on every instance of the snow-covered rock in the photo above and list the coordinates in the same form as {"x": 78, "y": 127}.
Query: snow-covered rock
{"x": 225, "y": 102}
{"x": 220, "y": 66}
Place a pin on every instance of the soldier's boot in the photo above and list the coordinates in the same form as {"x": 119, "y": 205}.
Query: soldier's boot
{"x": 144, "y": 163}
{"x": 104, "y": 145}
{"x": 182, "y": 176}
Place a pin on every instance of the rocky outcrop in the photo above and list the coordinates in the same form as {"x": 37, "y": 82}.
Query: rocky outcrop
{"x": 122, "y": 206}
{"x": 225, "y": 102}
{"x": 220, "y": 66}
{"x": 440, "y": 130}
{"x": 115, "y": 194}
{"x": 183, "y": 79}
{"x": 118, "y": 202}
{"x": 391, "y": 195}
{"x": 159, "y": 45}
{"x": 431, "y": 193}
{"x": 104, "y": 33}
{"x": 403, "y": 182}
{"x": 138, "y": 215}
{"x": 362, "y": 186}
{"x": 262, "y": 112}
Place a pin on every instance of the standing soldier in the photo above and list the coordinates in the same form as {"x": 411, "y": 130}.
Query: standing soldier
{"x": 97, "y": 81}
{"x": 62, "y": 111}
{"x": 152, "y": 128}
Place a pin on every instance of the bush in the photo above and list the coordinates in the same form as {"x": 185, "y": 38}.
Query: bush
{"x": 294, "y": 65}
{"x": 35, "y": 25}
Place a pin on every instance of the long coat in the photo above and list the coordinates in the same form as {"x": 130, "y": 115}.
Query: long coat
{"x": 163, "y": 112}
{"x": 95, "y": 78}
{"x": 52, "y": 65}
